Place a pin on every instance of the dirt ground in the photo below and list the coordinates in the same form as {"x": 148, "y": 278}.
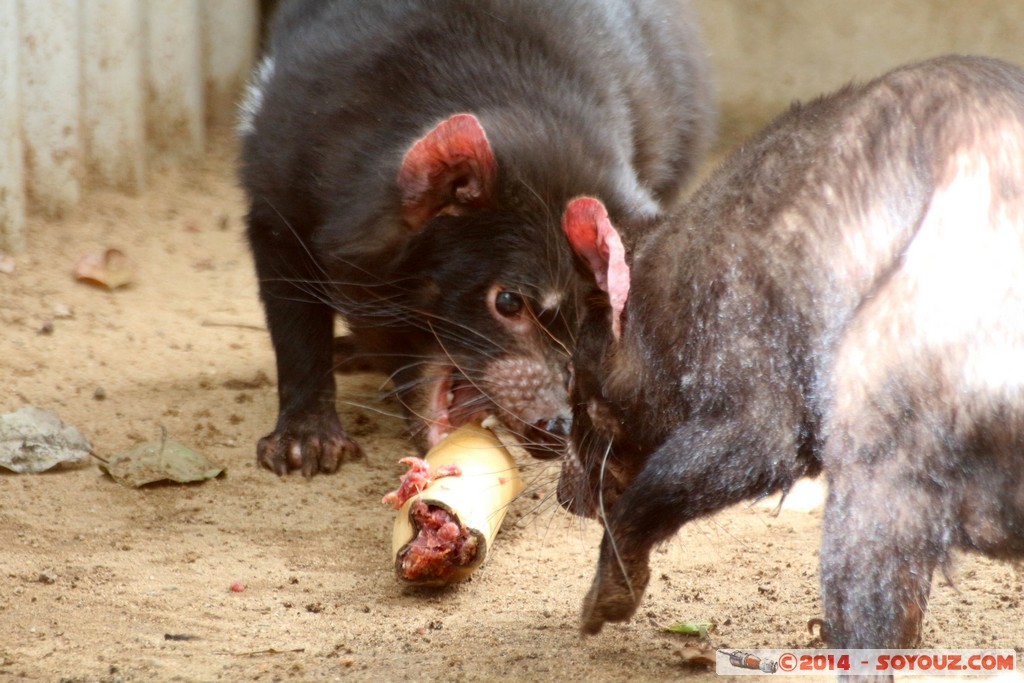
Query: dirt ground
{"x": 100, "y": 582}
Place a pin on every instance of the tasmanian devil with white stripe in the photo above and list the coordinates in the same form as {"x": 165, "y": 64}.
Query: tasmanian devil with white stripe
{"x": 407, "y": 163}
{"x": 845, "y": 294}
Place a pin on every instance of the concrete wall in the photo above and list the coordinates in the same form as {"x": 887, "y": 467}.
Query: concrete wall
{"x": 90, "y": 89}
{"x": 766, "y": 53}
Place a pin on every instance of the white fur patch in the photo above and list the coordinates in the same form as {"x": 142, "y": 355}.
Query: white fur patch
{"x": 954, "y": 305}
{"x": 252, "y": 100}
{"x": 966, "y": 265}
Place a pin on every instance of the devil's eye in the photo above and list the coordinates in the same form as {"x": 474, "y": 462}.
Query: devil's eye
{"x": 508, "y": 303}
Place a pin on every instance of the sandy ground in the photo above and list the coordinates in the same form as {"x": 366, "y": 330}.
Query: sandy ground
{"x": 100, "y": 582}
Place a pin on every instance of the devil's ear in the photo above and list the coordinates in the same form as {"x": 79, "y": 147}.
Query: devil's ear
{"x": 594, "y": 239}
{"x": 449, "y": 169}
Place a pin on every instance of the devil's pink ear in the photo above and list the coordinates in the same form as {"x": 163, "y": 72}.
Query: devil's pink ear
{"x": 449, "y": 169}
{"x": 594, "y": 239}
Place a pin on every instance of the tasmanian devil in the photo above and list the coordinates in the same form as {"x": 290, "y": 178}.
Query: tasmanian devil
{"x": 846, "y": 294}
{"x": 407, "y": 163}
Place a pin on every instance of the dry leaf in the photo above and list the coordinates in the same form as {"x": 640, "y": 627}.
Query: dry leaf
{"x": 109, "y": 268}
{"x": 34, "y": 440}
{"x": 159, "y": 461}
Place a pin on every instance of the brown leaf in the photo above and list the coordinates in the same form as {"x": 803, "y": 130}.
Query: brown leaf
{"x": 109, "y": 268}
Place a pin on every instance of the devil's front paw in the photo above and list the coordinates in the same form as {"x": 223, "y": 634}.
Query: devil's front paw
{"x": 613, "y": 596}
{"x": 314, "y": 444}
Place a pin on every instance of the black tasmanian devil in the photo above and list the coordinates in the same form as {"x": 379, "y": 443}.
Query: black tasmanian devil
{"x": 845, "y": 294}
{"x": 407, "y": 163}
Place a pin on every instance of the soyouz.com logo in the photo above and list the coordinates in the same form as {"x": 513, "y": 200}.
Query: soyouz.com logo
{"x": 838, "y": 662}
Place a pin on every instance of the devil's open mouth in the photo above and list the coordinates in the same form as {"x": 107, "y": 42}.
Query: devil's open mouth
{"x": 454, "y": 400}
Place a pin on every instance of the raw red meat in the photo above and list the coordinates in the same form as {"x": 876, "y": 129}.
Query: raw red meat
{"x": 419, "y": 477}
{"x": 441, "y": 546}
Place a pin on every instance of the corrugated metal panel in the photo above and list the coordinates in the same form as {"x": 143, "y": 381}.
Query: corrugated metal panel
{"x": 113, "y": 127}
{"x": 49, "y": 77}
{"x": 12, "y": 166}
{"x": 174, "y": 110}
{"x": 229, "y": 23}
{"x": 89, "y": 88}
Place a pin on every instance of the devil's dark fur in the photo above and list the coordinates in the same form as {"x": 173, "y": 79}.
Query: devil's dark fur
{"x": 845, "y": 294}
{"x": 406, "y": 164}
